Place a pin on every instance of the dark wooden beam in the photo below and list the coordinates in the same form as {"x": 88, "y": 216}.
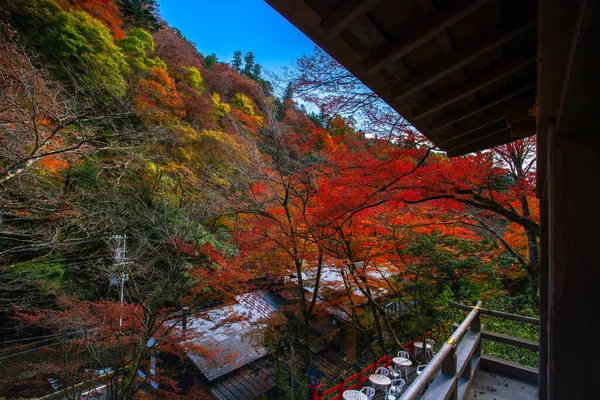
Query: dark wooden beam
{"x": 513, "y": 111}
{"x": 503, "y": 367}
{"x": 487, "y": 142}
{"x": 458, "y": 143}
{"x": 485, "y": 126}
{"x": 344, "y": 15}
{"x": 459, "y": 60}
{"x": 499, "y": 314}
{"x": 498, "y": 98}
{"x": 421, "y": 34}
{"x": 466, "y": 89}
{"x": 514, "y": 341}
{"x": 521, "y": 127}
{"x": 492, "y": 140}
{"x": 470, "y": 126}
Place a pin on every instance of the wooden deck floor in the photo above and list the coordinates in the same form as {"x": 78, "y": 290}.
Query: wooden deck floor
{"x": 488, "y": 386}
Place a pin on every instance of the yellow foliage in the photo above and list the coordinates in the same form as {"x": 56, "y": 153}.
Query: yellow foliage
{"x": 221, "y": 109}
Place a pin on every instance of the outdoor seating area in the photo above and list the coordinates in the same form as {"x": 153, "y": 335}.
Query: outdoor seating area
{"x": 456, "y": 366}
{"x": 386, "y": 383}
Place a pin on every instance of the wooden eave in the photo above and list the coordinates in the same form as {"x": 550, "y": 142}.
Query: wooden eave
{"x": 463, "y": 72}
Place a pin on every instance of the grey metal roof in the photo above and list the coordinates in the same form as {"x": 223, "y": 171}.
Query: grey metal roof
{"x": 230, "y": 333}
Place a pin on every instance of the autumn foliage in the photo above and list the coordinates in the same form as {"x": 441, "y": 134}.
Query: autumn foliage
{"x": 113, "y": 128}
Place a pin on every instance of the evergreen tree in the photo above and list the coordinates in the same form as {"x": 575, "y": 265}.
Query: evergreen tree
{"x": 256, "y": 72}
{"x": 210, "y": 60}
{"x": 140, "y": 13}
{"x": 249, "y": 63}
{"x": 237, "y": 61}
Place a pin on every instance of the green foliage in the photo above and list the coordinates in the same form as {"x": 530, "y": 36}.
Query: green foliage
{"x": 210, "y": 60}
{"x": 80, "y": 47}
{"x": 47, "y": 269}
{"x": 193, "y": 78}
{"x": 512, "y": 328}
{"x": 236, "y": 63}
{"x": 241, "y": 102}
{"x": 140, "y": 13}
{"x": 83, "y": 175}
{"x": 137, "y": 46}
{"x": 452, "y": 262}
{"x": 32, "y": 283}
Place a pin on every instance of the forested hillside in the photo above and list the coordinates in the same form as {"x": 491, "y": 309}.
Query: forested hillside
{"x": 138, "y": 176}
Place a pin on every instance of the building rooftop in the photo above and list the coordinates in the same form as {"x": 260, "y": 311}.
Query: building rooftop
{"x": 230, "y": 333}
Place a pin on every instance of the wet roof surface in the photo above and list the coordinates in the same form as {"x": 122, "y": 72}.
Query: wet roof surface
{"x": 230, "y": 333}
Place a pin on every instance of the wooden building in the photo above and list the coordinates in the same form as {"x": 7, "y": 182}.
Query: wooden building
{"x": 474, "y": 74}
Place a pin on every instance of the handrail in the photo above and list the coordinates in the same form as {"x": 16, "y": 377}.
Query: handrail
{"x": 498, "y": 314}
{"x": 419, "y": 384}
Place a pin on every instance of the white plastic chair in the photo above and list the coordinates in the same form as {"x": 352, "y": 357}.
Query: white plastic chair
{"x": 398, "y": 383}
{"x": 368, "y": 391}
{"x": 395, "y": 372}
{"x": 429, "y": 350}
{"x": 403, "y": 354}
{"x": 393, "y": 394}
{"x": 420, "y": 368}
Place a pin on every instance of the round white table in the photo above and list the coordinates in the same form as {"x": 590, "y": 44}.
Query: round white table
{"x": 379, "y": 380}
{"x": 403, "y": 363}
{"x": 354, "y": 395}
{"x": 419, "y": 345}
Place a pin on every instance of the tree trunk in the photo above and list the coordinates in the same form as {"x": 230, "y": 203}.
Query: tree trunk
{"x": 307, "y": 352}
{"x": 533, "y": 269}
{"x": 380, "y": 338}
{"x": 129, "y": 375}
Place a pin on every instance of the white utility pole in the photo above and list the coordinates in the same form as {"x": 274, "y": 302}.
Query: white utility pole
{"x": 119, "y": 257}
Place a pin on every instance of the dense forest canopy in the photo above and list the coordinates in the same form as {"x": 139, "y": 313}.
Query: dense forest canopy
{"x": 130, "y": 161}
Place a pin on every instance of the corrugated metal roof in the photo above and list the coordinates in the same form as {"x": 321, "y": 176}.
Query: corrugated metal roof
{"x": 229, "y": 333}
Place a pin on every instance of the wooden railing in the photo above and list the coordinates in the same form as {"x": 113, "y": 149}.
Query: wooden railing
{"x": 458, "y": 363}
{"x": 460, "y": 358}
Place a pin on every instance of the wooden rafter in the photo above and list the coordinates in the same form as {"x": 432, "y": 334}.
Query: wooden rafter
{"x": 476, "y": 136}
{"x": 473, "y": 125}
{"x": 487, "y": 142}
{"x": 516, "y": 110}
{"x": 522, "y": 126}
{"x": 498, "y": 98}
{"x": 424, "y": 32}
{"x": 466, "y": 89}
{"x": 459, "y": 60}
{"x": 344, "y": 15}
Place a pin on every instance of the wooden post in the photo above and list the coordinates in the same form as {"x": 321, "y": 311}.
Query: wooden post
{"x": 360, "y": 377}
{"x": 341, "y": 387}
{"x": 449, "y": 368}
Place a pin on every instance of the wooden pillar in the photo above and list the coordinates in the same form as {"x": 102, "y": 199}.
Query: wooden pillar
{"x": 573, "y": 262}
{"x": 543, "y": 300}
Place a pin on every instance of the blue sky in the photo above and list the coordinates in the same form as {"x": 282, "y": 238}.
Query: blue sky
{"x": 223, "y": 26}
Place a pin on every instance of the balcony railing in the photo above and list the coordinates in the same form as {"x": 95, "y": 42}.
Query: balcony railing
{"x": 460, "y": 359}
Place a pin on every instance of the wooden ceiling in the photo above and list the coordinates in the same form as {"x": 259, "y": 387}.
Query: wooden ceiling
{"x": 463, "y": 72}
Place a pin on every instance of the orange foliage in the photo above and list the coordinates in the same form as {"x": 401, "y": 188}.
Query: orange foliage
{"x": 53, "y": 164}
{"x": 106, "y": 11}
{"x": 157, "y": 97}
